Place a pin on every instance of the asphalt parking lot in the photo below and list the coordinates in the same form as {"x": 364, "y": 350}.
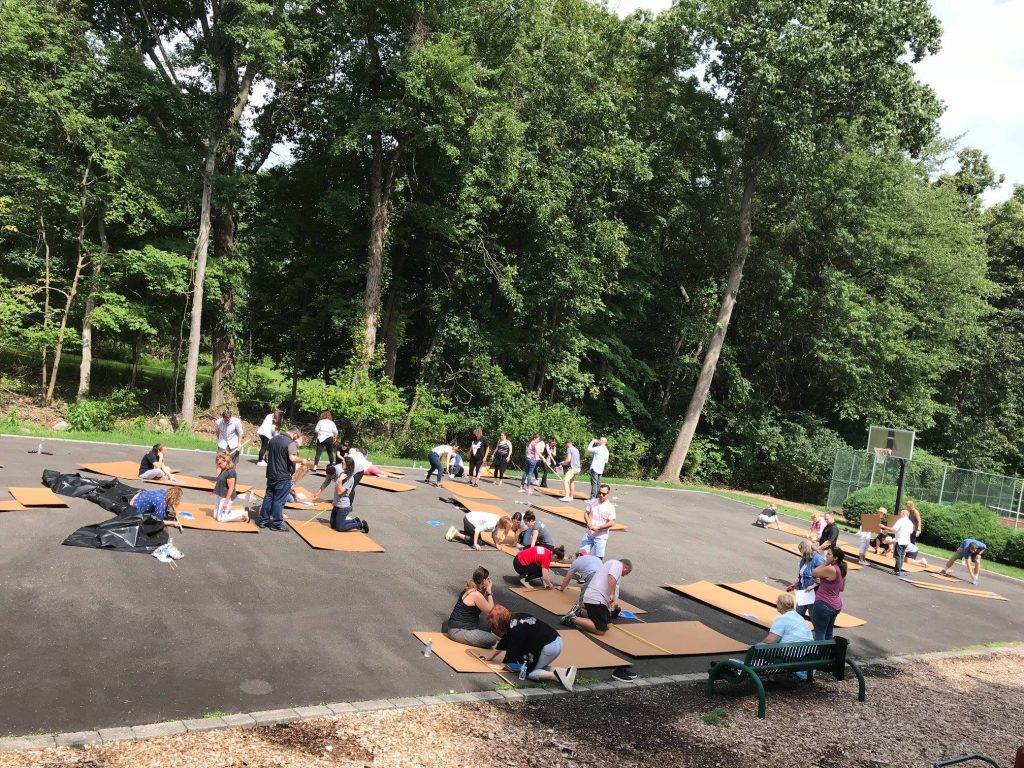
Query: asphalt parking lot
{"x": 94, "y": 639}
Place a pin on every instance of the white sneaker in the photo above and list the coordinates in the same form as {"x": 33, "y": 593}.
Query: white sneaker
{"x": 566, "y": 676}
{"x": 565, "y": 498}
{"x": 261, "y": 463}
{"x": 450, "y": 534}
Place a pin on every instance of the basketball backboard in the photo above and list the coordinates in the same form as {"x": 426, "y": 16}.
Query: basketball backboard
{"x": 899, "y": 443}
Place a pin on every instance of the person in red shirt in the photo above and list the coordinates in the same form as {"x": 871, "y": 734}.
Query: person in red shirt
{"x": 535, "y": 563}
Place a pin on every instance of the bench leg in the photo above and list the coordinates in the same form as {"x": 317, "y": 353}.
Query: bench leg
{"x": 717, "y": 670}
{"x": 860, "y": 678}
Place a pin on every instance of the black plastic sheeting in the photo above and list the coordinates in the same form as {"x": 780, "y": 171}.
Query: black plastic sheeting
{"x": 127, "y": 531}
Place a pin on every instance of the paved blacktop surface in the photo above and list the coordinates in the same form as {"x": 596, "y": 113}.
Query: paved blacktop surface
{"x": 94, "y": 639}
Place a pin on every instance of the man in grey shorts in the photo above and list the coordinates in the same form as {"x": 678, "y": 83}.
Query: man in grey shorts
{"x": 582, "y": 569}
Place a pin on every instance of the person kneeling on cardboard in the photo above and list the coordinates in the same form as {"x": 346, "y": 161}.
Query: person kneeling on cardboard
{"x": 341, "y": 519}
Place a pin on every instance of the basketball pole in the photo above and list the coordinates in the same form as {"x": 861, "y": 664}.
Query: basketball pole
{"x": 900, "y": 485}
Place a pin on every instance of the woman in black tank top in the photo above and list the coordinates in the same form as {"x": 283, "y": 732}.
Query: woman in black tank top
{"x": 469, "y": 616}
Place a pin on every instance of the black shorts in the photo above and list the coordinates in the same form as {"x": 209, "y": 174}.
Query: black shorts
{"x": 468, "y": 529}
{"x": 599, "y": 614}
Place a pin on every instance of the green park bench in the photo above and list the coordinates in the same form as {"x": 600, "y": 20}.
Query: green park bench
{"x": 765, "y": 659}
{"x": 1017, "y": 763}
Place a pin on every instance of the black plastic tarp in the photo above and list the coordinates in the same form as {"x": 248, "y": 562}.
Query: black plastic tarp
{"x": 127, "y": 531}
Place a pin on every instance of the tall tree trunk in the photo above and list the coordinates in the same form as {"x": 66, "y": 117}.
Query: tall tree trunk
{"x": 79, "y": 264}
{"x": 136, "y": 355}
{"x": 424, "y": 362}
{"x": 380, "y": 203}
{"x": 666, "y": 391}
{"x": 391, "y": 317}
{"x": 300, "y": 336}
{"x": 674, "y": 466}
{"x": 85, "y": 369}
{"x": 46, "y": 295}
{"x": 199, "y": 256}
{"x": 223, "y": 333}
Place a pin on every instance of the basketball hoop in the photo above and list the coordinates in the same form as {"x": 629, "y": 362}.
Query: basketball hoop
{"x": 882, "y": 455}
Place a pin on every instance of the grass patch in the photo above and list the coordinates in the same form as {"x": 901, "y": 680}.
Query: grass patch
{"x": 504, "y": 687}
{"x": 215, "y": 713}
{"x": 715, "y": 716}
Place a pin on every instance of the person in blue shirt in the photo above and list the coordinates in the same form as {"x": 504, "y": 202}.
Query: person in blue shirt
{"x": 973, "y": 550}
{"x": 789, "y": 626}
{"x": 810, "y": 559}
{"x": 159, "y": 504}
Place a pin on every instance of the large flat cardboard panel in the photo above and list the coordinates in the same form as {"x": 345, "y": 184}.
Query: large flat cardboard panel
{"x": 871, "y": 522}
{"x": 889, "y": 562}
{"x": 559, "y": 603}
{"x": 460, "y": 657}
{"x": 202, "y": 519}
{"x": 467, "y": 491}
{"x": 958, "y": 590}
{"x": 186, "y": 481}
{"x": 790, "y": 529}
{"x": 126, "y": 470}
{"x": 950, "y": 579}
{"x": 670, "y": 638}
{"x": 792, "y": 549}
{"x": 571, "y": 513}
{"x": 474, "y": 505}
{"x": 738, "y": 605}
{"x": 769, "y": 594}
{"x": 321, "y": 536}
{"x": 37, "y": 497}
{"x": 579, "y": 651}
{"x": 12, "y": 506}
{"x": 384, "y": 484}
{"x": 559, "y": 490}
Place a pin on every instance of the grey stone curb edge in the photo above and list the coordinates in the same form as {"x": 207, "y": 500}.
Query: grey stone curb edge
{"x": 279, "y": 716}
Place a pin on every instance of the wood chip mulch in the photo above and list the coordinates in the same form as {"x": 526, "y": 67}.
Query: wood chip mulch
{"x": 917, "y": 712}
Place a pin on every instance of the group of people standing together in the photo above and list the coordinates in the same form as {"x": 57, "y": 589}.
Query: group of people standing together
{"x": 540, "y": 456}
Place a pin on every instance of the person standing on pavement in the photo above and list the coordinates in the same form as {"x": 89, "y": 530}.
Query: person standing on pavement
{"x": 439, "y": 457}
{"x": 829, "y": 534}
{"x": 901, "y": 532}
{"x": 601, "y": 598}
{"x": 827, "y": 597}
{"x": 915, "y": 518}
{"x": 266, "y": 433}
{"x": 229, "y": 434}
{"x": 571, "y": 465}
{"x": 532, "y": 457}
{"x": 599, "y": 516}
{"x": 598, "y": 461}
{"x": 282, "y": 460}
{"x": 360, "y": 463}
{"x": 479, "y": 450}
{"x": 326, "y": 435}
{"x": 502, "y": 452}
{"x": 548, "y": 454}
{"x": 810, "y": 558}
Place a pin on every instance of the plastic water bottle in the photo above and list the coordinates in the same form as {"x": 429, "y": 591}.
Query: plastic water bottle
{"x": 522, "y": 670}
{"x": 429, "y": 650}
{"x": 39, "y": 448}
{"x": 765, "y": 580}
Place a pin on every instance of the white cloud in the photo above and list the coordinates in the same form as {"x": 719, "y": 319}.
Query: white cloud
{"x": 978, "y": 74}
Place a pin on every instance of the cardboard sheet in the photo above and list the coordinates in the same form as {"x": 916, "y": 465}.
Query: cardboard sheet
{"x": 382, "y": 483}
{"x": 461, "y": 658}
{"x": 559, "y": 603}
{"x": 37, "y": 497}
{"x": 578, "y": 650}
{"x": 12, "y": 506}
{"x": 889, "y": 562}
{"x": 958, "y": 590}
{"x": 740, "y": 606}
{"x": 321, "y": 536}
{"x": 871, "y": 522}
{"x": 670, "y": 638}
{"x": 792, "y": 549}
{"x": 768, "y": 594}
{"x": 788, "y": 528}
{"x": 559, "y": 490}
{"x": 126, "y": 470}
{"x": 571, "y": 513}
{"x": 950, "y": 579}
{"x": 467, "y": 491}
{"x": 202, "y": 519}
{"x": 474, "y": 505}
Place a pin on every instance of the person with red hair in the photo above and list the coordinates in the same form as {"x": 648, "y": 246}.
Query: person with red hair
{"x": 526, "y": 640}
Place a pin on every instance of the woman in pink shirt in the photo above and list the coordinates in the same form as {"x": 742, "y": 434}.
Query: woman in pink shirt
{"x": 827, "y": 601}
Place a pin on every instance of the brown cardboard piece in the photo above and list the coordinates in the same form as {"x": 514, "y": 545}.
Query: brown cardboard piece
{"x": 202, "y": 519}
{"x": 958, "y": 590}
{"x": 458, "y": 656}
{"x": 382, "y": 483}
{"x": 559, "y": 491}
{"x": 321, "y": 536}
{"x": 559, "y": 603}
{"x": 467, "y": 491}
{"x": 951, "y": 579}
{"x": 769, "y": 594}
{"x": 726, "y": 600}
{"x": 578, "y": 651}
{"x": 790, "y": 529}
{"x": 871, "y": 522}
{"x": 472, "y": 505}
{"x": 792, "y": 549}
{"x": 669, "y": 638}
{"x": 12, "y": 506}
{"x": 37, "y": 497}
{"x": 889, "y": 562}
{"x": 571, "y": 513}
{"x": 129, "y": 470}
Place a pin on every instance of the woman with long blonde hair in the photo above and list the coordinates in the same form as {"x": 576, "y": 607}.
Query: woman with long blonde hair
{"x": 469, "y": 616}
{"x": 160, "y": 504}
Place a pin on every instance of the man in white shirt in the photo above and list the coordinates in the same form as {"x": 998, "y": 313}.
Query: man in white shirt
{"x": 601, "y": 598}
{"x": 439, "y": 457}
{"x": 901, "y": 531}
{"x": 473, "y": 524}
{"x": 599, "y": 459}
{"x": 229, "y": 434}
{"x": 599, "y": 516}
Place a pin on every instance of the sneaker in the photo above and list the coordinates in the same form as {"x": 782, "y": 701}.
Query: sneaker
{"x": 565, "y": 498}
{"x": 566, "y": 676}
{"x": 260, "y": 524}
{"x": 366, "y": 527}
{"x": 529, "y": 491}
{"x": 449, "y": 535}
{"x": 567, "y": 620}
{"x": 261, "y": 463}
{"x": 943, "y": 572}
{"x": 974, "y": 581}
{"x": 279, "y": 529}
{"x": 624, "y": 675}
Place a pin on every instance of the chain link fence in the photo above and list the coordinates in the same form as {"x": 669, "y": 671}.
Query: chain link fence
{"x": 926, "y": 481}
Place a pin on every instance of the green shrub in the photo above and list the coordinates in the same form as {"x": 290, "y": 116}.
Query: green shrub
{"x": 947, "y": 525}
{"x": 705, "y": 463}
{"x": 123, "y": 402}
{"x": 362, "y": 409}
{"x": 1013, "y": 552}
{"x": 11, "y": 421}
{"x": 867, "y": 500}
{"x": 89, "y": 416}
{"x": 259, "y": 387}
{"x": 627, "y": 448}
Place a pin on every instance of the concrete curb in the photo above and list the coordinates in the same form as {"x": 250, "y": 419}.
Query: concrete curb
{"x": 281, "y": 716}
